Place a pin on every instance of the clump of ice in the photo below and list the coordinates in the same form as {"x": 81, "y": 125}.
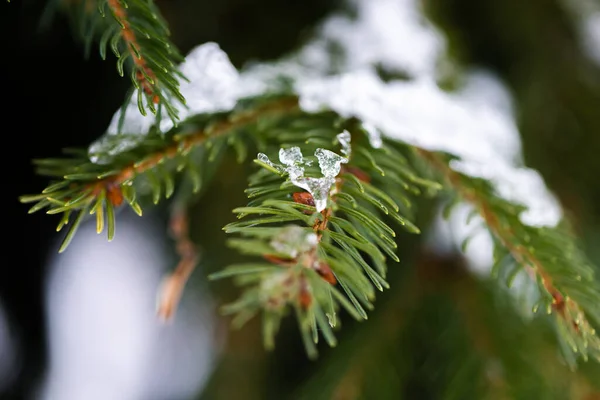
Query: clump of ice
{"x": 417, "y": 112}
{"x": 212, "y": 81}
{"x": 518, "y": 185}
{"x": 291, "y": 157}
{"x": 392, "y": 34}
{"x": 212, "y": 86}
{"x": 330, "y": 163}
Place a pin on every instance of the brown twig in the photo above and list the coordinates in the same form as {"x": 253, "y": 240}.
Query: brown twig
{"x": 112, "y": 184}
{"x": 172, "y": 287}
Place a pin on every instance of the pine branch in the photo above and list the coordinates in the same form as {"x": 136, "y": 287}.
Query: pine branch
{"x": 344, "y": 245}
{"x": 139, "y": 38}
{"x": 373, "y": 183}
{"x": 144, "y": 35}
{"x": 84, "y": 187}
{"x": 549, "y": 256}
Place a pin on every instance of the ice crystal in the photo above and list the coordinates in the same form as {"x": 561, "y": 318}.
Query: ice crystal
{"x": 293, "y": 165}
{"x": 344, "y": 140}
{"x": 265, "y": 159}
{"x": 329, "y": 162}
{"x": 319, "y": 188}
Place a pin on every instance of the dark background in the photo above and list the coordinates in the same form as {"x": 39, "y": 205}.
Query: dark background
{"x": 53, "y": 98}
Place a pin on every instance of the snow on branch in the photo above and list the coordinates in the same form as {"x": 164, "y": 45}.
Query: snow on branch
{"x": 483, "y": 137}
{"x": 469, "y": 134}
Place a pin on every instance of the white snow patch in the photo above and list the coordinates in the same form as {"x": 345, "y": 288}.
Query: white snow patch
{"x": 419, "y": 113}
{"x": 475, "y": 124}
{"x": 391, "y": 33}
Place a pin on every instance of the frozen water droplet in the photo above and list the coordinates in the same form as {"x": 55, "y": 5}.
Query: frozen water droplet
{"x": 329, "y": 162}
{"x": 291, "y": 156}
{"x": 295, "y": 172}
{"x": 318, "y": 187}
{"x": 211, "y": 86}
{"x": 344, "y": 139}
{"x": 265, "y": 159}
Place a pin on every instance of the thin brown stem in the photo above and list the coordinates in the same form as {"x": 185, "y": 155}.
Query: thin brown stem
{"x": 172, "y": 287}
{"x": 144, "y": 74}
{"x": 112, "y": 184}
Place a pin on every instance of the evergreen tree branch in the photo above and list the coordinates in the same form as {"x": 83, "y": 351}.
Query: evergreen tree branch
{"x": 344, "y": 245}
{"x": 138, "y": 36}
{"x": 549, "y": 256}
{"x": 143, "y": 34}
{"x": 373, "y": 182}
{"x": 86, "y": 187}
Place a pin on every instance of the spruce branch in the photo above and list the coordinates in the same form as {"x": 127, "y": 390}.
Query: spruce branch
{"x": 142, "y": 32}
{"x": 138, "y": 36}
{"x": 311, "y": 251}
{"x": 352, "y": 241}
{"x": 82, "y": 186}
{"x": 549, "y": 256}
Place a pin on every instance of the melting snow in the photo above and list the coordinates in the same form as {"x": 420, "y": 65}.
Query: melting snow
{"x": 475, "y": 124}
